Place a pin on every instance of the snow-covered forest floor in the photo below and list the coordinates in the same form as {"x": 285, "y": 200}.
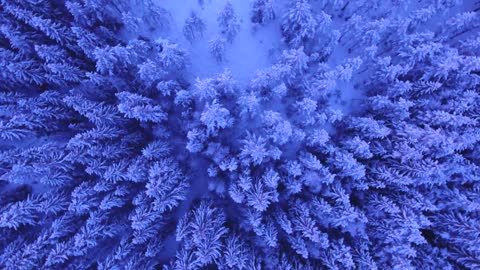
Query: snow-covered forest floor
{"x": 254, "y": 48}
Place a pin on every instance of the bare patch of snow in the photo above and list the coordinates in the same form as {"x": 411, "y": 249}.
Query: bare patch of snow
{"x": 254, "y": 47}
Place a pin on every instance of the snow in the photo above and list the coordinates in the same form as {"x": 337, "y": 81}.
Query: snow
{"x": 30, "y": 142}
{"x": 254, "y": 48}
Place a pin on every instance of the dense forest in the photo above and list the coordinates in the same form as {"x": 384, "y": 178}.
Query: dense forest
{"x": 235, "y": 134}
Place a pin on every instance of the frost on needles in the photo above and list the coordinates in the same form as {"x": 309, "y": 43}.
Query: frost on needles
{"x": 264, "y": 134}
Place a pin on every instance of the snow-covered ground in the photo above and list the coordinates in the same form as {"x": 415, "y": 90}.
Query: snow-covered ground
{"x": 254, "y": 47}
